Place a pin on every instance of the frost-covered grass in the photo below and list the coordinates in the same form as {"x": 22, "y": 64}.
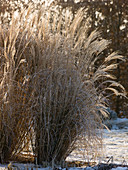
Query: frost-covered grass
{"x": 50, "y": 89}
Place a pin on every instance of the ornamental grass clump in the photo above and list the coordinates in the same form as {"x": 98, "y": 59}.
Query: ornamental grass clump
{"x": 14, "y": 89}
{"x": 50, "y": 95}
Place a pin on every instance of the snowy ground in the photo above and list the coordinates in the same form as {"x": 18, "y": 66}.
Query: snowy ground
{"x": 115, "y": 147}
{"x": 115, "y": 144}
{"x": 24, "y": 167}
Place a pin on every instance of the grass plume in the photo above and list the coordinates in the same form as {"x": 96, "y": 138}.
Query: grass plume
{"x": 50, "y": 95}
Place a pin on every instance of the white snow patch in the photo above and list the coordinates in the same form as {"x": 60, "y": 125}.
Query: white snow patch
{"x": 29, "y": 166}
{"x": 89, "y": 168}
{"x": 120, "y": 168}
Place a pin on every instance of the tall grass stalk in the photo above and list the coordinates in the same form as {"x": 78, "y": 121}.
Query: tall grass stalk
{"x": 50, "y": 94}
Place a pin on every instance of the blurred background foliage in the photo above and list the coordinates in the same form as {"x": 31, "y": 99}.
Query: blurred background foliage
{"x": 108, "y": 16}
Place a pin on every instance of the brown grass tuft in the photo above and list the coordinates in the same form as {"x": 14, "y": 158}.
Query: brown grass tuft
{"x": 49, "y": 90}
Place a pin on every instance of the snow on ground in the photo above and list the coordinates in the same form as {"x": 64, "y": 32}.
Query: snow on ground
{"x": 120, "y": 168}
{"x": 3, "y": 167}
{"x": 115, "y": 147}
{"x": 116, "y": 141}
{"x": 24, "y": 167}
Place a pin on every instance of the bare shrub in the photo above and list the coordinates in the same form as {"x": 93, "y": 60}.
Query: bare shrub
{"x": 49, "y": 87}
